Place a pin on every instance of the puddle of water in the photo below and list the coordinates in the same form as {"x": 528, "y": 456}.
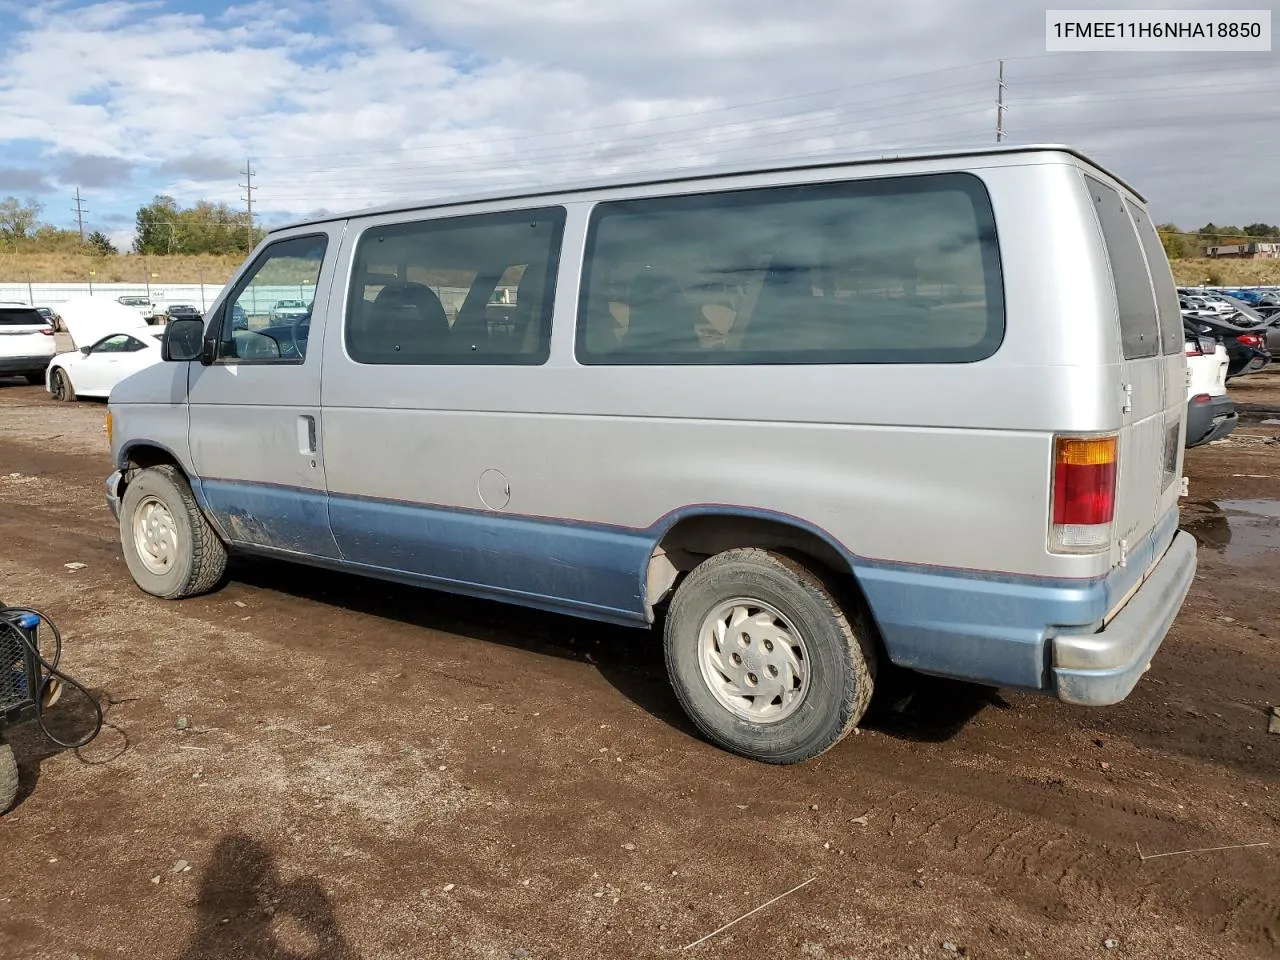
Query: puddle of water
{"x": 1259, "y": 508}
{"x": 1237, "y": 529}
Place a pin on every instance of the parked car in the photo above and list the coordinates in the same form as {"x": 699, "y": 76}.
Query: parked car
{"x": 1247, "y": 349}
{"x": 26, "y": 341}
{"x": 1210, "y": 306}
{"x": 1211, "y": 414}
{"x": 182, "y": 311}
{"x": 143, "y": 305}
{"x": 288, "y": 310}
{"x": 112, "y": 341}
{"x": 93, "y": 370}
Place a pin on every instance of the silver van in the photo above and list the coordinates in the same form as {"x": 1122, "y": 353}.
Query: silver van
{"x": 925, "y": 410}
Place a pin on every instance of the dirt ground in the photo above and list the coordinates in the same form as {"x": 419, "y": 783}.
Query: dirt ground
{"x": 312, "y": 765}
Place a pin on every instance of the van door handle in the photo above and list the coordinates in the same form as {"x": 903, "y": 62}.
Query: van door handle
{"x": 307, "y": 435}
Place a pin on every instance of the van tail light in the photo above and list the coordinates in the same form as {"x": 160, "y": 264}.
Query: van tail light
{"x": 1193, "y": 348}
{"x": 1083, "y": 498}
{"x": 1200, "y": 398}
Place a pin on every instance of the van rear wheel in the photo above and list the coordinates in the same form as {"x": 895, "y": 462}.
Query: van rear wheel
{"x": 169, "y": 547}
{"x": 764, "y": 659}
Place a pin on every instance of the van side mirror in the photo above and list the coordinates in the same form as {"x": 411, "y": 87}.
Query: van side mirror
{"x": 183, "y": 340}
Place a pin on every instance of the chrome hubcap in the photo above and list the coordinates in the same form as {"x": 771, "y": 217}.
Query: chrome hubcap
{"x": 753, "y": 660}
{"x": 155, "y": 535}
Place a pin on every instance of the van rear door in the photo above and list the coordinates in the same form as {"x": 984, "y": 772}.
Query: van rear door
{"x": 1141, "y": 475}
{"x": 1173, "y": 364}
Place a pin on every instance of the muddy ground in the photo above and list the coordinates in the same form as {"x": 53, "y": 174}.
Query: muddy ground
{"x": 305, "y": 764}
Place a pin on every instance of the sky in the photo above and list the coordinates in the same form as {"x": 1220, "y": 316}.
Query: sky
{"x": 344, "y": 104}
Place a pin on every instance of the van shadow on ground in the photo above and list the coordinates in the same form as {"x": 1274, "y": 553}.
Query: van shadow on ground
{"x": 907, "y": 705}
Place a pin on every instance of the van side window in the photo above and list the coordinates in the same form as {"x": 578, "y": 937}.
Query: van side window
{"x": 1172, "y": 336}
{"x": 255, "y": 326}
{"x": 885, "y": 270}
{"x": 472, "y": 289}
{"x": 1139, "y": 330}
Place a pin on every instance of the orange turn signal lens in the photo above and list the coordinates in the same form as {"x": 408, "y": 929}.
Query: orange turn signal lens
{"x": 1079, "y": 452}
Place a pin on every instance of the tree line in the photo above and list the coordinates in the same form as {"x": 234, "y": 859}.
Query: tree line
{"x": 22, "y": 231}
{"x": 162, "y": 227}
{"x": 1181, "y": 244}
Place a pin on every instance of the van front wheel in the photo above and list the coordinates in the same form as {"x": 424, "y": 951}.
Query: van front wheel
{"x": 169, "y": 547}
{"x": 763, "y": 658}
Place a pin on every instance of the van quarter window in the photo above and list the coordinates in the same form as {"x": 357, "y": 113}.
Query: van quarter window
{"x": 475, "y": 289}
{"x": 1139, "y": 331}
{"x": 1171, "y": 330}
{"x": 890, "y": 270}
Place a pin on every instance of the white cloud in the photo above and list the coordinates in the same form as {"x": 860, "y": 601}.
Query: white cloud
{"x": 345, "y": 103}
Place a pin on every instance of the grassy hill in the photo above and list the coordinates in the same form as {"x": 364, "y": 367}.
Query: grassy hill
{"x": 63, "y": 267}
{"x": 74, "y": 268}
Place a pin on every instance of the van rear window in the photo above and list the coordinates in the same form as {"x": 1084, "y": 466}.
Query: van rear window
{"x": 21, "y": 317}
{"x": 1171, "y": 330}
{"x": 1139, "y": 330}
{"x": 884, "y": 270}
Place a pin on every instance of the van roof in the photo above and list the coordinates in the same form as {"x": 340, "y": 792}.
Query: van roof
{"x": 709, "y": 173}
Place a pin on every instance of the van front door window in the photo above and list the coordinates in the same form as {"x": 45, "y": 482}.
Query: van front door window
{"x": 268, "y": 317}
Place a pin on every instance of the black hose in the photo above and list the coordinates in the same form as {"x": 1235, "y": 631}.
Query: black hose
{"x": 51, "y": 671}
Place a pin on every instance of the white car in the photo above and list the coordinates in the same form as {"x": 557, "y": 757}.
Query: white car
{"x": 288, "y": 310}
{"x": 112, "y": 342}
{"x": 26, "y": 342}
{"x": 143, "y": 305}
{"x": 1212, "y": 303}
{"x": 1211, "y": 414}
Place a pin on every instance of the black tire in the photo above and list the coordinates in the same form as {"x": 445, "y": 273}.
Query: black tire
{"x": 61, "y": 383}
{"x": 35, "y": 377}
{"x": 8, "y": 777}
{"x": 200, "y": 558}
{"x": 838, "y": 641}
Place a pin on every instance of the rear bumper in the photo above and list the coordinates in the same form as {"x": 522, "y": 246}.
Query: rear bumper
{"x": 1211, "y": 420}
{"x": 1098, "y": 669}
{"x": 24, "y": 364}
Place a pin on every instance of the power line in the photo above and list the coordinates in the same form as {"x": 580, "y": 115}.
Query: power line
{"x": 505, "y": 173}
{"x": 1031, "y": 80}
{"x": 499, "y": 165}
{"x": 871, "y": 110}
{"x": 709, "y": 137}
{"x": 673, "y": 116}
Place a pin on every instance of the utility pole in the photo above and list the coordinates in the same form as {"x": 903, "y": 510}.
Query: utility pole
{"x": 248, "y": 196}
{"x": 1000, "y": 104}
{"x": 80, "y": 213}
